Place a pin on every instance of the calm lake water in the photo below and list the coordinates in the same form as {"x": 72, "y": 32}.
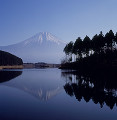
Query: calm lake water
{"x": 52, "y": 94}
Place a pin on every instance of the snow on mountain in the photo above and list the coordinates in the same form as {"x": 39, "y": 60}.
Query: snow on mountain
{"x": 41, "y": 38}
{"x": 42, "y": 47}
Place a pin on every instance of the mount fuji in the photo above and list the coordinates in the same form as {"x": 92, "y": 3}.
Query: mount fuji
{"x": 42, "y": 47}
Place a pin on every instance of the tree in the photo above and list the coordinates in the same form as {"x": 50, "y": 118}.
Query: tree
{"x": 101, "y": 42}
{"x": 77, "y": 48}
{"x": 115, "y": 39}
{"x": 98, "y": 43}
{"x": 100, "y": 47}
{"x": 109, "y": 39}
{"x": 68, "y": 50}
{"x": 86, "y": 45}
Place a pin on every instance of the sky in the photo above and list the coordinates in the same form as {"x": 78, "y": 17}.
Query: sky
{"x": 66, "y": 19}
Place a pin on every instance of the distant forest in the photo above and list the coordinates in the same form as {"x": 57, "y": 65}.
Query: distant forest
{"x": 98, "y": 45}
{"x": 9, "y": 59}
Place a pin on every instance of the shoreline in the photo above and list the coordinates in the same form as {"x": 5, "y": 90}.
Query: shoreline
{"x": 11, "y": 67}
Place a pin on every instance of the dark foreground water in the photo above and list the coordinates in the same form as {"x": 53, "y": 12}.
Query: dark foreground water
{"x": 52, "y": 94}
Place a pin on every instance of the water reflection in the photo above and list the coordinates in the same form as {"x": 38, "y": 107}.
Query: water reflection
{"x": 9, "y": 75}
{"x": 40, "y": 93}
{"x": 36, "y": 83}
{"x": 22, "y": 98}
{"x": 100, "y": 87}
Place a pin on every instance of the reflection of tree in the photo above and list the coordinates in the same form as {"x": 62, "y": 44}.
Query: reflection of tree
{"x": 8, "y": 75}
{"x": 68, "y": 89}
{"x": 100, "y": 87}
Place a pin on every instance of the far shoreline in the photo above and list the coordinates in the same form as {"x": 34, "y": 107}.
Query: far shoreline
{"x": 11, "y": 67}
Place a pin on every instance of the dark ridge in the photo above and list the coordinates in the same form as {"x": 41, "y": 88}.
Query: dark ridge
{"x": 9, "y": 59}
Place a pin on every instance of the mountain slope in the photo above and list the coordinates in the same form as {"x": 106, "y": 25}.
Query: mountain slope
{"x": 42, "y": 47}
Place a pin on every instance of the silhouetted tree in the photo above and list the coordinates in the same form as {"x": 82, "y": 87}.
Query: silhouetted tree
{"x": 101, "y": 47}
{"x": 109, "y": 39}
{"x": 68, "y": 50}
{"x": 95, "y": 44}
{"x": 86, "y": 45}
{"x": 115, "y": 39}
{"x": 101, "y": 42}
{"x": 77, "y": 48}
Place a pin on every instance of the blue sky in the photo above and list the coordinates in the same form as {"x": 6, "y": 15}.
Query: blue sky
{"x": 66, "y": 19}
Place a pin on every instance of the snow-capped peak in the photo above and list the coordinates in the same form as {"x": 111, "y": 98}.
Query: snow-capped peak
{"x": 41, "y": 37}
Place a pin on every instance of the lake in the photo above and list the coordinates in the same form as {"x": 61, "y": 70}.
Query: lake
{"x": 54, "y": 94}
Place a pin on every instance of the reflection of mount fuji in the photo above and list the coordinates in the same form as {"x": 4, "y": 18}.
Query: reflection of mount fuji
{"x": 35, "y": 87}
{"x": 41, "y": 93}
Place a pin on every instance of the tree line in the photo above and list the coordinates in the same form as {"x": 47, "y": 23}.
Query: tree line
{"x": 86, "y": 47}
{"x": 9, "y": 59}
